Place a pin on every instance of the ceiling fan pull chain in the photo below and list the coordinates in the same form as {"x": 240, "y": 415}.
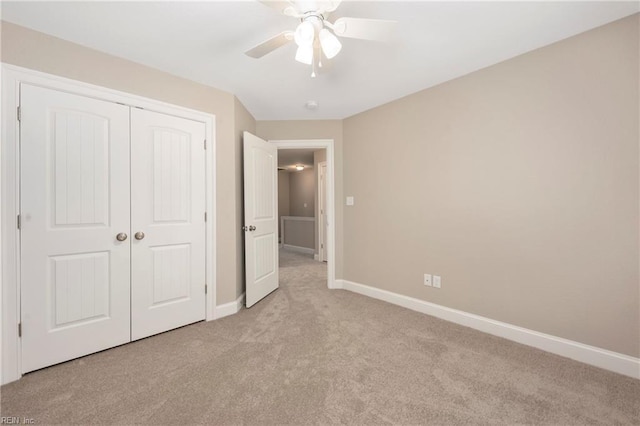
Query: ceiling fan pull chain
{"x": 314, "y": 64}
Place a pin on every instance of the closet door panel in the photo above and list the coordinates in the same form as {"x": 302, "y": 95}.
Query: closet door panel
{"x": 168, "y": 223}
{"x": 74, "y": 201}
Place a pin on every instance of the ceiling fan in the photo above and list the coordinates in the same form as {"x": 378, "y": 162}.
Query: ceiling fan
{"x": 315, "y": 35}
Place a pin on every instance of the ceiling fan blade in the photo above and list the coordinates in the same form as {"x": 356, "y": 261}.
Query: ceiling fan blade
{"x": 284, "y": 7}
{"x": 366, "y": 29}
{"x": 329, "y": 6}
{"x": 270, "y": 45}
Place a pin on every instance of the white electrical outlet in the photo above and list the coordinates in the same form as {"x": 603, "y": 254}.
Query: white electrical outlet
{"x": 437, "y": 281}
{"x": 427, "y": 280}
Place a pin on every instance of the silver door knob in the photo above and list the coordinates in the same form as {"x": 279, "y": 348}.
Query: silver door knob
{"x": 121, "y": 236}
{"x": 252, "y": 228}
{"x": 139, "y": 235}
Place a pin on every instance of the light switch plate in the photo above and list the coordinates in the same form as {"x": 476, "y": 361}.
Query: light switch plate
{"x": 350, "y": 201}
{"x": 437, "y": 281}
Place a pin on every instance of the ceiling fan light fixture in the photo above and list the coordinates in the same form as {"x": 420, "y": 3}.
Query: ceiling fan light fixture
{"x": 305, "y": 34}
{"x": 330, "y": 44}
{"x": 304, "y": 54}
{"x": 315, "y": 36}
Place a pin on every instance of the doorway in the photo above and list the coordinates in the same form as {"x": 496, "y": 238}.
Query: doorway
{"x": 324, "y": 152}
{"x": 298, "y": 200}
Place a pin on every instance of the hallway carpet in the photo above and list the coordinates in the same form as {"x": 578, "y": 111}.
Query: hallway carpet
{"x": 307, "y": 355}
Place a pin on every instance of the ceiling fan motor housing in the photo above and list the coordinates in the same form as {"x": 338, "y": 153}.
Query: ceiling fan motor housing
{"x": 309, "y": 27}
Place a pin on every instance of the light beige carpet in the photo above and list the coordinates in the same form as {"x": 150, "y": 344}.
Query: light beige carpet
{"x": 307, "y": 355}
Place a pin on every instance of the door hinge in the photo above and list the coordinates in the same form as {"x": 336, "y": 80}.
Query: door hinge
{"x": 19, "y": 222}
{"x": 19, "y": 329}
{"x": 205, "y": 144}
{"x": 321, "y": 245}
{"x": 205, "y": 289}
{"x": 205, "y": 216}
{"x": 19, "y": 114}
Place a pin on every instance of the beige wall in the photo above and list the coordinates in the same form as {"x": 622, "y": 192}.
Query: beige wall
{"x": 302, "y": 193}
{"x": 518, "y": 184}
{"x": 302, "y": 204}
{"x": 314, "y": 129}
{"x": 299, "y": 233}
{"x": 41, "y": 52}
{"x": 295, "y": 189}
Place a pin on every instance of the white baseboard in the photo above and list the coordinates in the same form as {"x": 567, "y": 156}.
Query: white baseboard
{"x": 609, "y": 360}
{"x": 230, "y": 308}
{"x": 305, "y": 250}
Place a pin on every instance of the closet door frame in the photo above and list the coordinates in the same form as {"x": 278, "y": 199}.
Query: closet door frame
{"x": 12, "y": 77}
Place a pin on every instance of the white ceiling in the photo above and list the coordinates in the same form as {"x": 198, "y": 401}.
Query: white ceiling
{"x": 204, "y": 41}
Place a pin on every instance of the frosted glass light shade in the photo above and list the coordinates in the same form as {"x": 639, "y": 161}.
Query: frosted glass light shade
{"x": 330, "y": 44}
{"x": 304, "y": 54}
{"x": 304, "y": 34}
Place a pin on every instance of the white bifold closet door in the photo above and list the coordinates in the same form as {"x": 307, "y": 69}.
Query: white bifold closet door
{"x": 168, "y": 207}
{"x": 113, "y": 226}
{"x": 74, "y": 201}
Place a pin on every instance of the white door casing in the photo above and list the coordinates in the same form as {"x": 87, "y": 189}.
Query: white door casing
{"x": 260, "y": 218}
{"x": 74, "y": 201}
{"x": 167, "y": 222}
{"x": 322, "y": 222}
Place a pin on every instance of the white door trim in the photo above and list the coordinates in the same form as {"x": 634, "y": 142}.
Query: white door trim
{"x": 327, "y": 144}
{"x": 12, "y": 76}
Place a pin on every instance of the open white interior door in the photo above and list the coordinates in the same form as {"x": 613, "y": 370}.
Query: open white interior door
{"x": 260, "y": 218}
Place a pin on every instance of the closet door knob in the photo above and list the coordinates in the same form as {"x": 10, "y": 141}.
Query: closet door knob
{"x": 121, "y": 236}
{"x": 139, "y": 235}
